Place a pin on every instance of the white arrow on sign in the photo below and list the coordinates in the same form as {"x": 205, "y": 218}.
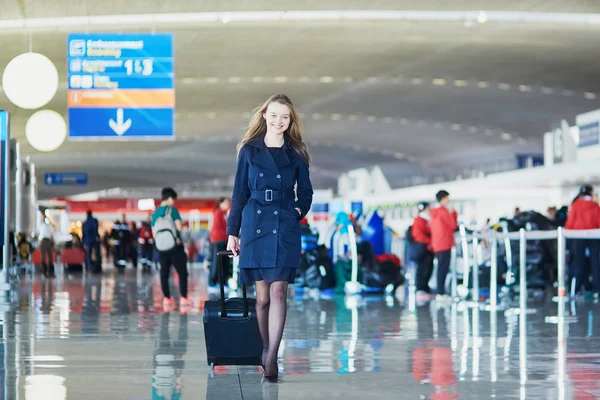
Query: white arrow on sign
{"x": 120, "y": 127}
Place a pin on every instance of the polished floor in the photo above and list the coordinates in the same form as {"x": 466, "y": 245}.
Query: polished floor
{"x": 78, "y": 337}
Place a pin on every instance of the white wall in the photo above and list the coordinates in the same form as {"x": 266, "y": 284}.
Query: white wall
{"x": 497, "y": 195}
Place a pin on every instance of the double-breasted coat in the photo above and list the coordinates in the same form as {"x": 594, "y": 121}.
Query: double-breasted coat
{"x": 263, "y": 205}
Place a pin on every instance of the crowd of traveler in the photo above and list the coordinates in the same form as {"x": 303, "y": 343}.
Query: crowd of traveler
{"x": 432, "y": 236}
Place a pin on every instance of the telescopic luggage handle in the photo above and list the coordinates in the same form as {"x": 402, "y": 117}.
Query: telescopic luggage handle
{"x": 220, "y": 256}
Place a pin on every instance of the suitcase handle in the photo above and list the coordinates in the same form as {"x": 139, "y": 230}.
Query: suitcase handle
{"x": 220, "y": 256}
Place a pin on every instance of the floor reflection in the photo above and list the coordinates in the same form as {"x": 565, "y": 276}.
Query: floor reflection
{"x": 167, "y": 381}
{"x": 60, "y": 332}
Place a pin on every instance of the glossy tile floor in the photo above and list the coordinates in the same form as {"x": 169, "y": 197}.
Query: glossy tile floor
{"x": 106, "y": 337}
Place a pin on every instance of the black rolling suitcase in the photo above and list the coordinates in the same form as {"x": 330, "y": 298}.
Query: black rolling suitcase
{"x": 231, "y": 327}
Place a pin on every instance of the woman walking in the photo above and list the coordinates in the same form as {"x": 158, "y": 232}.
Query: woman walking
{"x": 272, "y": 159}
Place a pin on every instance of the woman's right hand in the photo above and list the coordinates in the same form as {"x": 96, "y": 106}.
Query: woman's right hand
{"x": 233, "y": 245}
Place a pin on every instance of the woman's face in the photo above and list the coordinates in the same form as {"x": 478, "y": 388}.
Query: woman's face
{"x": 225, "y": 205}
{"x": 277, "y": 117}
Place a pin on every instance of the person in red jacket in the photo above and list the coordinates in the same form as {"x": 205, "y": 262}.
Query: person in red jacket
{"x": 218, "y": 239}
{"x": 421, "y": 251}
{"x": 585, "y": 214}
{"x": 444, "y": 222}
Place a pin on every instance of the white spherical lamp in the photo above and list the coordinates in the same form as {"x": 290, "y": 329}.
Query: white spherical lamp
{"x": 30, "y": 80}
{"x": 46, "y": 130}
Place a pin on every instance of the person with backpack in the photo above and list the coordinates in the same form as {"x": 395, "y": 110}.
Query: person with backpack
{"x": 91, "y": 243}
{"x": 421, "y": 251}
{"x": 166, "y": 230}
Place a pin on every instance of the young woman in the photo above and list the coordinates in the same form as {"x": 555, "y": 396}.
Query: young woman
{"x": 218, "y": 238}
{"x": 272, "y": 159}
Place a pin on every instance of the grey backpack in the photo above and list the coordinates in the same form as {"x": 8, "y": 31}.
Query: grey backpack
{"x": 165, "y": 232}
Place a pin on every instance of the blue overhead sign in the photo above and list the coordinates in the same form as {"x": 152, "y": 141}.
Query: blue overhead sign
{"x": 59, "y": 178}
{"x": 121, "y": 87}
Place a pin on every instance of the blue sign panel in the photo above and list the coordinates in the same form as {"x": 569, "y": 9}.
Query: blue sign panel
{"x": 320, "y": 208}
{"x": 149, "y": 123}
{"x": 4, "y": 167}
{"x": 357, "y": 208}
{"x": 121, "y": 87}
{"x": 59, "y": 178}
{"x": 589, "y": 135}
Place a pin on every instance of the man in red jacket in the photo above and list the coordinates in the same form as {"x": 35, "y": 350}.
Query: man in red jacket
{"x": 585, "y": 214}
{"x": 421, "y": 252}
{"x": 444, "y": 222}
{"x": 218, "y": 241}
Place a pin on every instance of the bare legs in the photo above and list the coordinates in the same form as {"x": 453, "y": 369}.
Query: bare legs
{"x": 271, "y": 310}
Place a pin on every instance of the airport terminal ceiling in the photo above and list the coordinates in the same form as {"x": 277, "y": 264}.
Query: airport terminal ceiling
{"x": 417, "y": 98}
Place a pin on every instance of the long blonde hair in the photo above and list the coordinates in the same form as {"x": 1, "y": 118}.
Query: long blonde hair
{"x": 258, "y": 126}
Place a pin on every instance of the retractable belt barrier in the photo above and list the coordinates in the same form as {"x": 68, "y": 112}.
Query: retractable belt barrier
{"x": 560, "y": 235}
{"x": 541, "y": 235}
{"x": 495, "y": 238}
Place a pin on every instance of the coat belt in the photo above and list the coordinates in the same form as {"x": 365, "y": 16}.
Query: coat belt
{"x": 273, "y": 195}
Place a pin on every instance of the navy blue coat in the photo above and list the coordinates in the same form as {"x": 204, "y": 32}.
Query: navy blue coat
{"x": 266, "y": 222}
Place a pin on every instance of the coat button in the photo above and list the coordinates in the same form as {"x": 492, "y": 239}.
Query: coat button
{"x": 274, "y": 230}
{"x": 259, "y": 212}
{"x": 258, "y": 231}
{"x": 278, "y": 176}
{"x": 275, "y": 212}
{"x": 261, "y": 174}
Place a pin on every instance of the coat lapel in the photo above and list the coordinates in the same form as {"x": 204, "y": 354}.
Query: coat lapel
{"x": 283, "y": 159}
{"x": 263, "y": 157}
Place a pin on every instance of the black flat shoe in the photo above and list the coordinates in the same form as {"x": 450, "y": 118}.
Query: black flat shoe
{"x": 271, "y": 379}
